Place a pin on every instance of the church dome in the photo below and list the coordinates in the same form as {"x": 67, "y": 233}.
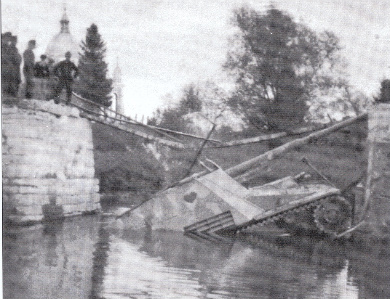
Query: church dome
{"x": 62, "y": 43}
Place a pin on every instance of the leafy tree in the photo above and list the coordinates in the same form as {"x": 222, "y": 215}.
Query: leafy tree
{"x": 172, "y": 117}
{"x": 278, "y": 65}
{"x": 93, "y": 83}
{"x": 343, "y": 103}
{"x": 190, "y": 100}
{"x": 384, "y": 95}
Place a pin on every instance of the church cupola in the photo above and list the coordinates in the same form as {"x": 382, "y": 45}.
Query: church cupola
{"x": 64, "y": 23}
{"x": 63, "y": 42}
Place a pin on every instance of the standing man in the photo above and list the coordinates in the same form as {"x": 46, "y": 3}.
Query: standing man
{"x": 10, "y": 64}
{"x": 64, "y": 71}
{"x": 28, "y": 68}
{"x": 6, "y": 64}
{"x": 16, "y": 62}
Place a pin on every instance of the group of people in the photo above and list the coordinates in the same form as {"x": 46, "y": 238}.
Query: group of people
{"x": 52, "y": 77}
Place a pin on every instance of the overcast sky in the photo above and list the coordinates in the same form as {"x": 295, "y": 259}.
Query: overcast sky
{"x": 162, "y": 45}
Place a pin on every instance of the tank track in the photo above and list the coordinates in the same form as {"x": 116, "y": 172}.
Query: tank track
{"x": 333, "y": 215}
{"x": 313, "y": 208}
{"x": 267, "y": 219}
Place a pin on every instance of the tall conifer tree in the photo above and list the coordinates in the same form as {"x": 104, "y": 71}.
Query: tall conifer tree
{"x": 93, "y": 83}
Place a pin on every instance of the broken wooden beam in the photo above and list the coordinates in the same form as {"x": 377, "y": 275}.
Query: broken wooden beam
{"x": 185, "y": 134}
{"x": 246, "y": 170}
{"x": 268, "y": 137}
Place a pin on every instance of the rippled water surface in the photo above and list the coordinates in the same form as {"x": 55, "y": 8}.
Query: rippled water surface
{"x": 88, "y": 258}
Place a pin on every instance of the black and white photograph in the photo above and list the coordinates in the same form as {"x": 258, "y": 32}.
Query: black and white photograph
{"x": 193, "y": 149}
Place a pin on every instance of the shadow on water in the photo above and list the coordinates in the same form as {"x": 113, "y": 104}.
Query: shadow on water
{"x": 88, "y": 258}
{"x": 99, "y": 261}
{"x": 50, "y": 232}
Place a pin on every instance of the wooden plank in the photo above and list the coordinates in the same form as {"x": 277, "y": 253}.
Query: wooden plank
{"x": 269, "y": 137}
{"x": 209, "y": 222}
{"x": 186, "y": 134}
{"x": 135, "y": 132}
{"x": 246, "y": 170}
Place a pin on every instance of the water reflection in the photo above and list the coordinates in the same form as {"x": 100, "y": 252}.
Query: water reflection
{"x": 49, "y": 261}
{"x": 87, "y": 258}
{"x": 51, "y": 231}
{"x": 242, "y": 270}
{"x": 100, "y": 261}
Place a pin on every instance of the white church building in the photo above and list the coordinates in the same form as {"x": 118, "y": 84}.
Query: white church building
{"x": 64, "y": 42}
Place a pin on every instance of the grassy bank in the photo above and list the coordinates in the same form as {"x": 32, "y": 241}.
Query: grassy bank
{"x": 121, "y": 162}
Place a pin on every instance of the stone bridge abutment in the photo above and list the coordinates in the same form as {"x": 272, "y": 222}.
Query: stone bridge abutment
{"x": 48, "y": 163}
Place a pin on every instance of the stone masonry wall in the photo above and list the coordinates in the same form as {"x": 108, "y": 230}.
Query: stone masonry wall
{"x": 378, "y": 171}
{"x": 48, "y": 162}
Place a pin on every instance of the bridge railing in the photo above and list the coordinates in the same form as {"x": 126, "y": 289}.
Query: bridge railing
{"x": 114, "y": 116}
{"x": 104, "y": 111}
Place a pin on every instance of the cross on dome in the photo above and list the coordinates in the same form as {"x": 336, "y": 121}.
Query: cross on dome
{"x": 64, "y": 22}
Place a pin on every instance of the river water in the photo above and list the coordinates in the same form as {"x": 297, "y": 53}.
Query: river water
{"x": 87, "y": 257}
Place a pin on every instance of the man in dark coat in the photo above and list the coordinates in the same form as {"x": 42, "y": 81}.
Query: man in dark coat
{"x": 28, "y": 68}
{"x": 10, "y": 64}
{"x": 16, "y": 62}
{"x": 66, "y": 70}
{"x": 6, "y": 64}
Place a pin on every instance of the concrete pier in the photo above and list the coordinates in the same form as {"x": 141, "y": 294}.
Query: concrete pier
{"x": 377, "y": 194}
{"x": 48, "y": 162}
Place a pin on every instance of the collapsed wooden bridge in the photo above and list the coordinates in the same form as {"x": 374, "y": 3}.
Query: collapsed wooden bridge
{"x": 211, "y": 202}
{"x": 99, "y": 113}
{"x": 236, "y": 213}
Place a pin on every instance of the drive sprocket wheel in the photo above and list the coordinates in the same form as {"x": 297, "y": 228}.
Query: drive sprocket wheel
{"x": 333, "y": 215}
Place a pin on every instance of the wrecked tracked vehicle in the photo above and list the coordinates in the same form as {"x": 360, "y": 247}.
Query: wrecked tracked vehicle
{"x": 299, "y": 207}
{"x": 211, "y": 203}
{"x": 216, "y": 203}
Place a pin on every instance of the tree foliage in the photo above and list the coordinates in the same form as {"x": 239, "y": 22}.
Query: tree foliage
{"x": 384, "y": 95}
{"x": 190, "y": 100}
{"x": 172, "y": 117}
{"x": 278, "y": 65}
{"x": 93, "y": 83}
{"x": 346, "y": 102}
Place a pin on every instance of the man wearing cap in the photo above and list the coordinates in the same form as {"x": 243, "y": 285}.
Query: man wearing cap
{"x": 16, "y": 62}
{"x": 66, "y": 70}
{"x": 6, "y": 65}
{"x": 10, "y": 64}
{"x": 28, "y": 68}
